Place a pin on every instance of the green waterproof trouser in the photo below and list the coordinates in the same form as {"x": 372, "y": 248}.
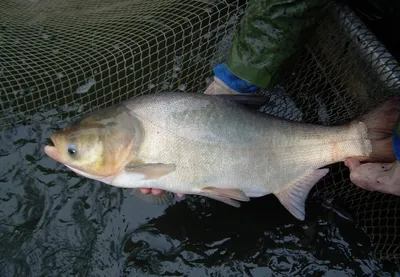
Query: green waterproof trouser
{"x": 268, "y": 35}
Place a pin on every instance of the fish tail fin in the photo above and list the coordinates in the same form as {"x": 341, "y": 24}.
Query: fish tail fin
{"x": 381, "y": 123}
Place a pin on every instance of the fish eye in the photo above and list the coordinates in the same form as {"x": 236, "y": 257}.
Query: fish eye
{"x": 72, "y": 149}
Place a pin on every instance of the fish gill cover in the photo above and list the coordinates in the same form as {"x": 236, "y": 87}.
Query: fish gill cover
{"x": 62, "y": 59}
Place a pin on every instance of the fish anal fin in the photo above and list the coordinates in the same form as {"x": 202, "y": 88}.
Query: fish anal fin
{"x": 163, "y": 199}
{"x": 150, "y": 171}
{"x": 227, "y": 193}
{"x": 294, "y": 196}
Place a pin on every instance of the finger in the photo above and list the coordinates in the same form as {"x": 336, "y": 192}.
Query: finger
{"x": 210, "y": 89}
{"x": 157, "y": 191}
{"x": 351, "y": 163}
{"x": 145, "y": 190}
{"x": 180, "y": 195}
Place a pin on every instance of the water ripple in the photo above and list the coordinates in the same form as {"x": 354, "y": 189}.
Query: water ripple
{"x": 55, "y": 223}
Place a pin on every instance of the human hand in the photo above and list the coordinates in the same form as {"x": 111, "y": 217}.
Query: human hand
{"x": 156, "y": 191}
{"x": 217, "y": 87}
{"x": 382, "y": 177}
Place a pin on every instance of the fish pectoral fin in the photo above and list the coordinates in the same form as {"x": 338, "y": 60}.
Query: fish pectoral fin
{"x": 294, "y": 196}
{"x": 150, "y": 171}
{"x": 226, "y": 196}
{"x": 163, "y": 199}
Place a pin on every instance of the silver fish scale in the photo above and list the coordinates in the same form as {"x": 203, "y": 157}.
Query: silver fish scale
{"x": 212, "y": 145}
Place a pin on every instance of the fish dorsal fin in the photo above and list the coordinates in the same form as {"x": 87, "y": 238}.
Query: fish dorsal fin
{"x": 150, "y": 171}
{"x": 249, "y": 101}
{"x": 294, "y": 196}
{"x": 163, "y": 199}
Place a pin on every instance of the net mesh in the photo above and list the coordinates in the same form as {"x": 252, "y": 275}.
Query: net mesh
{"x": 92, "y": 54}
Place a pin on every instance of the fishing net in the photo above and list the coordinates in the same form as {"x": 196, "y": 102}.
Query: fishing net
{"x": 73, "y": 57}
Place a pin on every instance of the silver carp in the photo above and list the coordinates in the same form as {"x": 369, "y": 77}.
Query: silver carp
{"x": 212, "y": 146}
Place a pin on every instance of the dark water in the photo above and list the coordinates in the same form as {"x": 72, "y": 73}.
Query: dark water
{"x": 55, "y": 223}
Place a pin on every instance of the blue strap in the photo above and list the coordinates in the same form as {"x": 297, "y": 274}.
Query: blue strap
{"x": 396, "y": 145}
{"x": 225, "y": 75}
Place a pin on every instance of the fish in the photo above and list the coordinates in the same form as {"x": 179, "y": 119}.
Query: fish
{"x": 216, "y": 147}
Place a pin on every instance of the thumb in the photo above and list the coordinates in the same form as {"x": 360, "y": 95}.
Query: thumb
{"x": 351, "y": 163}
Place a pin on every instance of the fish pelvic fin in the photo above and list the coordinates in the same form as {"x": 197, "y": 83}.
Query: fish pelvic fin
{"x": 381, "y": 123}
{"x": 294, "y": 196}
{"x": 223, "y": 199}
{"x": 227, "y": 196}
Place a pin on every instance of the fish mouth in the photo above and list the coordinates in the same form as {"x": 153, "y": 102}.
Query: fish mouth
{"x": 52, "y": 151}
{"x": 50, "y": 142}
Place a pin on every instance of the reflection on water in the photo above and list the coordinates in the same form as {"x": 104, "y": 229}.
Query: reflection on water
{"x": 55, "y": 223}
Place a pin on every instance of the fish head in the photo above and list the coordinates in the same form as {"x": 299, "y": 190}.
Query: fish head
{"x": 99, "y": 145}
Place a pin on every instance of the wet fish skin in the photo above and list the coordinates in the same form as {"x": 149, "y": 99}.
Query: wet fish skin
{"x": 210, "y": 146}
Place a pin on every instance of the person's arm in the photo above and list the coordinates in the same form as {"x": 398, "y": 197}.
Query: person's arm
{"x": 269, "y": 33}
{"x": 396, "y": 141}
